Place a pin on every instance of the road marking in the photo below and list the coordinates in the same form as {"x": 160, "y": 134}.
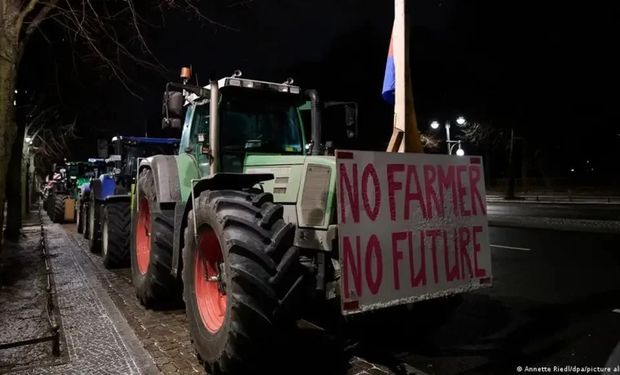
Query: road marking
{"x": 511, "y": 247}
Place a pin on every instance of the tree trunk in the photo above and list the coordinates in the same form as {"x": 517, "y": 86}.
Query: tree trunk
{"x": 9, "y": 58}
{"x": 14, "y": 189}
{"x": 510, "y": 191}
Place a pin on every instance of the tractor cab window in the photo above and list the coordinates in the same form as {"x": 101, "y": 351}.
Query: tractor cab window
{"x": 74, "y": 169}
{"x": 200, "y": 127}
{"x": 133, "y": 152}
{"x": 199, "y": 137}
{"x": 257, "y": 124}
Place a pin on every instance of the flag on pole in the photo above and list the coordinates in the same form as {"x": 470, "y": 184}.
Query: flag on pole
{"x": 389, "y": 79}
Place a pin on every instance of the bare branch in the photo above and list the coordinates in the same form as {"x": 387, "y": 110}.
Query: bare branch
{"x": 40, "y": 17}
{"x": 30, "y": 5}
{"x": 192, "y": 6}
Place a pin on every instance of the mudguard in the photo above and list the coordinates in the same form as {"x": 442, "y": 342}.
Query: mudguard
{"x": 166, "y": 176}
{"x": 219, "y": 181}
{"x": 103, "y": 187}
{"x": 118, "y": 198}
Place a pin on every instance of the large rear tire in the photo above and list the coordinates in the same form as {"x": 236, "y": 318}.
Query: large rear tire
{"x": 116, "y": 224}
{"x": 151, "y": 248}
{"x": 240, "y": 278}
{"x": 58, "y": 211}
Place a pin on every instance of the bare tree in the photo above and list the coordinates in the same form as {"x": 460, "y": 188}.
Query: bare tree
{"x": 483, "y": 134}
{"x": 92, "y": 24}
{"x": 430, "y": 142}
{"x": 48, "y": 141}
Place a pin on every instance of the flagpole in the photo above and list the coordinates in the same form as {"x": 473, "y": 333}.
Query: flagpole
{"x": 405, "y": 124}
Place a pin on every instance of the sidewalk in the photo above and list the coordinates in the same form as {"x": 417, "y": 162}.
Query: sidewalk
{"x": 94, "y": 336}
{"x": 23, "y": 300}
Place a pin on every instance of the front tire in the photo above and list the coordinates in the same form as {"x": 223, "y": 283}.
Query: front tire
{"x": 115, "y": 234}
{"x": 151, "y": 248}
{"x": 58, "y": 210}
{"x": 85, "y": 215}
{"x": 94, "y": 223}
{"x": 240, "y": 279}
{"x": 79, "y": 221}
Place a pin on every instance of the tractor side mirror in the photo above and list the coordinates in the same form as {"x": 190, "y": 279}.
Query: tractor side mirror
{"x": 330, "y": 148}
{"x": 340, "y": 119}
{"x": 350, "y": 120}
{"x": 173, "y": 110}
{"x": 173, "y": 100}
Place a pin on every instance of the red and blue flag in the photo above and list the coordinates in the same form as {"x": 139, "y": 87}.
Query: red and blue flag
{"x": 389, "y": 80}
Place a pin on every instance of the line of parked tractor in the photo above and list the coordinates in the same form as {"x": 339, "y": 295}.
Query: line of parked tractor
{"x": 238, "y": 218}
{"x": 97, "y": 194}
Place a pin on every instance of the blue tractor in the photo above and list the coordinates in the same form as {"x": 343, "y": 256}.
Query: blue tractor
{"x": 105, "y": 204}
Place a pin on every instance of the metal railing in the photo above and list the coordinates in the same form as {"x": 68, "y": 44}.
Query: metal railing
{"x": 54, "y": 335}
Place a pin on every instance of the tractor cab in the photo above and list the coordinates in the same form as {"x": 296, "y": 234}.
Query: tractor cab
{"x": 79, "y": 173}
{"x": 125, "y": 152}
{"x": 252, "y": 118}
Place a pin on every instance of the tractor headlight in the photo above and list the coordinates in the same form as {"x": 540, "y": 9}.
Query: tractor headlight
{"x": 314, "y": 195}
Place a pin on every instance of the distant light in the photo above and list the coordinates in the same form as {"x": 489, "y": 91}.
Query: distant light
{"x": 460, "y": 120}
{"x": 16, "y": 91}
{"x": 460, "y": 152}
{"x": 14, "y": 103}
{"x": 592, "y": 169}
{"x": 572, "y": 169}
{"x": 435, "y": 125}
{"x": 587, "y": 161}
{"x": 28, "y": 140}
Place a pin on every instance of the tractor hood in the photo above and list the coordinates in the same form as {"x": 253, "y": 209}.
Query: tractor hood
{"x": 308, "y": 182}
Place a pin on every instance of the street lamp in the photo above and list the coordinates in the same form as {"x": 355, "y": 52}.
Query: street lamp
{"x": 460, "y": 151}
{"x": 449, "y": 142}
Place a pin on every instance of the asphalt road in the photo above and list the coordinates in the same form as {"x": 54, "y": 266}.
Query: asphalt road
{"x": 552, "y": 303}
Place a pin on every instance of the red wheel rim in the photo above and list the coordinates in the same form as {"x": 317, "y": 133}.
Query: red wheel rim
{"x": 210, "y": 298}
{"x": 143, "y": 236}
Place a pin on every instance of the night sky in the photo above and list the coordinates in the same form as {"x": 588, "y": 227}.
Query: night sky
{"x": 547, "y": 69}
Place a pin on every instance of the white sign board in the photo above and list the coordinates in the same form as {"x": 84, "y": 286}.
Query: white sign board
{"x": 410, "y": 227}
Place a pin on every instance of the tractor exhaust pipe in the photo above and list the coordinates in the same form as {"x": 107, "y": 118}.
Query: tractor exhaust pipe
{"x": 315, "y": 120}
{"x": 214, "y": 132}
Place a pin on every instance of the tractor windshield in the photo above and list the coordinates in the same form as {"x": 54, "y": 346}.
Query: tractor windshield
{"x": 143, "y": 150}
{"x": 75, "y": 169}
{"x": 257, "y": 124}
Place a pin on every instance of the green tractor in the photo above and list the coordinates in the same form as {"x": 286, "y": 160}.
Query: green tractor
{"x": 87, "y": 171}
{"x": 242, "y": 223}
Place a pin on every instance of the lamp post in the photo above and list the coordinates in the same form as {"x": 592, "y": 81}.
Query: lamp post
{"x": 450, "y": 144}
